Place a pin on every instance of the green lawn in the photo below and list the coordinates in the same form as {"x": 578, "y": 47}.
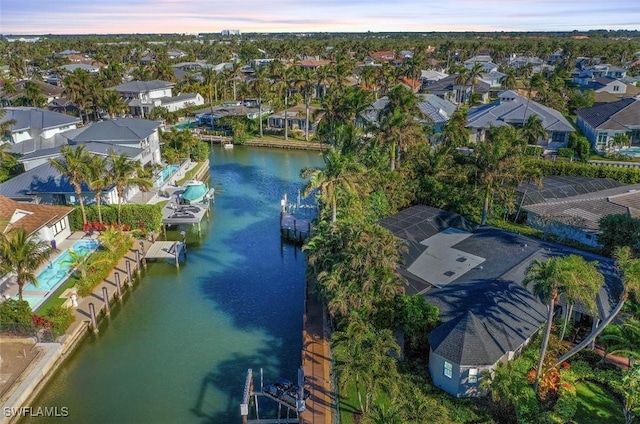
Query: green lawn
{"x": 596, "y": 405}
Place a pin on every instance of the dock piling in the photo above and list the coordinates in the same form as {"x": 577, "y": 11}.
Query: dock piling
{"x": 128, "y": 266}
{"x": 105, "y": 297}
{"x": 92, "y": 316}
{"x": 116, "y": 275}
{"x": 138, "y": 270}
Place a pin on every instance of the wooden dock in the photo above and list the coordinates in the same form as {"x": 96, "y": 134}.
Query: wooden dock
{"x": 282, "y": 144}
{"x": 294, "y": 229}
{"x": 171, "y": 250}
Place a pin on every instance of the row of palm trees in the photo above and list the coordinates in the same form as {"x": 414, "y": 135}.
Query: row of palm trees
{"x": 85, "y": 170}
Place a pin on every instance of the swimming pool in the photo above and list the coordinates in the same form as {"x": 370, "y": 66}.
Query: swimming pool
{"x": 631, "y": 151}
{"x": 165, "y": 174}
{"x": 56, "y": 273}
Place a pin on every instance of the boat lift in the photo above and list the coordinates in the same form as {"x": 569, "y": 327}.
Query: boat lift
{"x": 285, "y": 400}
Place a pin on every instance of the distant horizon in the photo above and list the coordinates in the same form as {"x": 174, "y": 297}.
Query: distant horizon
{"x": 120, "y": 17}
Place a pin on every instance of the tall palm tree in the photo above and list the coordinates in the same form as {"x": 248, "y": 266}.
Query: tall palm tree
{"x": 398, "y": 122}
{"x": 473, "y": 75}
{"x": 77, "y": 87}
{"x": 73, "y": 164}
{"x": 342, "y": 174}
{"x": 22, "y": 255}
{"x": 283, "y": 79}
{"x": 33, "y": 94}
{"x": 259, "y": 85}
{"x": 126, "y": 172}
{"x": 304, "y": 83}
{"x": 461, "y": 81}
{"x": 629, "y": 269}
{"x": 455, "y": 132}
{"x": 509, "y": 81}
{"x": 99, "y": 178}
{"x": 5, "y": 126}
{"x": 572, "y": 277}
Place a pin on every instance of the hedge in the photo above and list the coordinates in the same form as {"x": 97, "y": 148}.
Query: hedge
{"x": 145, "y": 217}
{"x": 101, "y": 270}
{"x": 61, "y": 318}
{"x": 577, "y": 169}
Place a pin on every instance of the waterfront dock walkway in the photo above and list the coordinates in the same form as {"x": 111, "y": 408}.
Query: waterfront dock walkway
{"x": 316, "y": 360}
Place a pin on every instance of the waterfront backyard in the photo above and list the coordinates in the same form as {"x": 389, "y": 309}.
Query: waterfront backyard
{"x": 178, "y": 348}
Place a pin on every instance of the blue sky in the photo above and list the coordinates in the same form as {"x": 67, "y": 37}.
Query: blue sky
{"x": 193, "y": 16}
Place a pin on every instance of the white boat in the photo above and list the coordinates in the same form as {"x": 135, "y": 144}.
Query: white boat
{"x": 228, "y": 145}
{"x": 195, "y": 192}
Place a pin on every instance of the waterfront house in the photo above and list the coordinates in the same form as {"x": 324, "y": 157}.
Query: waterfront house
{"x": 447, "y": 88}
{"x": 602, "y": 122}
{"x": 143, "y": 96}
{"x": 296, "y": 119}
{"x": 45, "y": 222}
{"x": 513, "y": 109}
{"x": 474, "y": 276}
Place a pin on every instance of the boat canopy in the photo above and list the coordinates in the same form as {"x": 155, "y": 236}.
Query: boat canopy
{"x": 194, "y": 193}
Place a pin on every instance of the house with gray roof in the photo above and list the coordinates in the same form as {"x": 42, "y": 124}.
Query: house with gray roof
{"x": 447, "y": 88}
{"x": 602, "y": 122}
{"x": 474, "y": 276}
{"x": 514, "y": 110}
{"x": 72, "y": 67}
{"x": 436, "y": 110}
{"x": 576, "y": 217}
{"x": 140, "y": 95}
{"x": 33, "y": 125}
{"x": 125, "y": 132}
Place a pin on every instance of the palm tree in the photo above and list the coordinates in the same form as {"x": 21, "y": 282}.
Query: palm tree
{"x": 498, "y": 164}
{"x": 77, "y": 87}
{"x": 473, "y": 75}
{"x": 572, "y": 277}
{"x": 99, "y": 178}
{"x": 398, "y": 122}
{"x": 342, "y": 174}
{"x": 80, "y": 263}
{"x": 73, "y": 164}
{"x": 112, "y": 103}
{"x": 455, "y": 132}
{"x": 33, "y": 94}
{"x": 461, "y": 81}
{"x": 533, "y": 130}
{"x": 125, "y": 173}
{"x": 304, "y": 84}
{"x": 22, "y": 254}
{"x": 509, "y": 81}
{"x": 283, "y": 78}
{"x": 631, "y": 392}
{"x": 5, "y": 127}
{"x": 629, "y": 269}
{"x": 259, "y": 85}
{"x": 623, "y": 339}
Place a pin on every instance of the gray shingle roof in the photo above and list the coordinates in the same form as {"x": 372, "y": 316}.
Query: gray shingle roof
{"x": 513, "y": 110}
{"x": 36, "y": 118}
{"x": 91, "y": 147}
{"x": 597, "y": 115}
{"x": 142, "y": 86}
{"x": 448, "y": 84}
{"x": 120, "y": 130}
{"x": 492, "y": 291}
{"x": 437, "y": 109}
{"x": 466, "y": 340}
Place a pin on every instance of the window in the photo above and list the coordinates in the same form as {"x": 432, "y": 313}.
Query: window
{"x": 448, "y": 369}
{"x": 473, "y": 375}
{"x": 59, "y": 226}
{"x": 616, "y": 88}
{"x": 602, "y": 140}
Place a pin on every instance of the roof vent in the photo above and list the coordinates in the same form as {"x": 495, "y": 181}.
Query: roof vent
{"x": 461, "y": 259}
{"x": 449, "y": 273}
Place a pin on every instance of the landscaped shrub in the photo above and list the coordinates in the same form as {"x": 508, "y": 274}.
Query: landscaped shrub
{"x": 578, "y": 169}
{"x": 61, "y": 318}
{"x": 536, "y": 151}
{"x": 15, "y": 311}
{"x": 104, "y": 262}
{"x": 145, "y": 217}
{"x": 566, "y": 152}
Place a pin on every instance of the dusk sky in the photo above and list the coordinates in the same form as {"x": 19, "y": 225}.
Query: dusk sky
{"x": 194, "y": 16}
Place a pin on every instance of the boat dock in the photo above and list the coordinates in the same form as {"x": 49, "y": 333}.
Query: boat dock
{"x": 294, "y": 229}
{"x": 173, "y": 213}
{"x": 170, "y": 250}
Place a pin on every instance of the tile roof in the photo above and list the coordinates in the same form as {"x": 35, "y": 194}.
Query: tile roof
{"x": 596, "y": 116}
{"x": 127, "y": 130}
{"x": 28, "y": 118}
{"x": 36, "y": 217}
{"x": 512, "y": 109}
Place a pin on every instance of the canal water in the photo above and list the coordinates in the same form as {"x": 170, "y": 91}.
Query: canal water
{"x": 178, "y": 349}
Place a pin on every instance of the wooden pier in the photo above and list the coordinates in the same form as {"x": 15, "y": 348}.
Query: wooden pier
{"x": 294, "y": 229}
{"x": 170, "y": 250}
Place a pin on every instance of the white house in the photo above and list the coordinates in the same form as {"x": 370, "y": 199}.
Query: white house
{"x": 34, "y": 127}
{"x": 143, "y": 96}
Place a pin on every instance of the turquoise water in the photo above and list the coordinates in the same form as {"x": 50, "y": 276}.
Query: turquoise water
{"x": 178, "y": 349}
{"x": 631, "y": 151}
{"x": 57, "y": 272}
{"x": 165, "y": 174}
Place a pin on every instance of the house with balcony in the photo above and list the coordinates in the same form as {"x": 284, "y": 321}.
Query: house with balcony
{"x": 447, "y": 88}
{"x": 143, "y": 96}
{"x": 608, "y": 89}
{"x": 602, "y": 122}
{"x": 514, "y": 110}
